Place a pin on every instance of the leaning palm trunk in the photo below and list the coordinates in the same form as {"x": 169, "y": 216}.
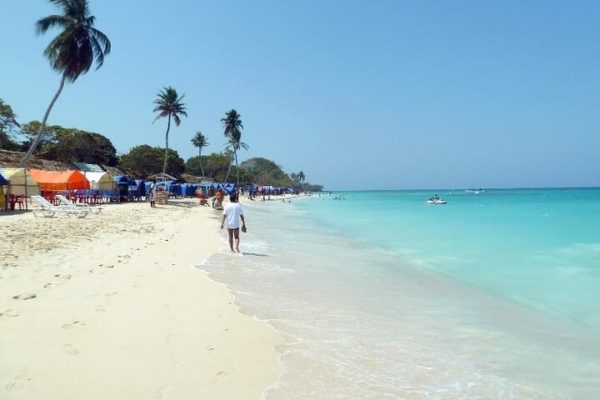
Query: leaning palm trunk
{"x": 167, "y": 146}
{"x": 38, "y": 137}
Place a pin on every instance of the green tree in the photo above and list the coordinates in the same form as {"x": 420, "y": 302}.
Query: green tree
{"x": 266, "y": 172}
{"x": 168, "y": 104}
{"x": 72, "y": 52}
{"x": 233, "y": 132}
{"x": 30, "y": 132}
{"x": 81, "y": 146}
{"x": 215, "y": 165}
{"x": 8, "y": 122}
{"x": 71, "y": 144}
{"x": 143, "y": 161}
{"x": 199, "y": 140}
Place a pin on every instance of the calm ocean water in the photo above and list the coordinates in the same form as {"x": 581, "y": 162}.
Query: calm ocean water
{"x": 379, "y": 295}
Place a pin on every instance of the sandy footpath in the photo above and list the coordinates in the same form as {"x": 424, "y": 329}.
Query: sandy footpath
{"x": 111, "y": 307}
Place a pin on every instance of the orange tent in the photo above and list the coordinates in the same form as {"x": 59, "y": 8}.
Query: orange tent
{"x": 59, "y": 180}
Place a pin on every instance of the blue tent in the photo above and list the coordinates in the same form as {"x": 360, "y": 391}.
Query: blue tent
{"x": 136, "y": 188}
{"x": 189, "y": 189}
{"x": 147, "y": 185}
{"x": 4, "y": 181}
{"x": 171, "y": 187}
{"x": 175, "y": 189}
{"x": 123, "y": 180}
{"x": 227, "y": 187}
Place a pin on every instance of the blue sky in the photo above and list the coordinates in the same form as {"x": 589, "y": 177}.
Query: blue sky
{"x": 357, "y": 94}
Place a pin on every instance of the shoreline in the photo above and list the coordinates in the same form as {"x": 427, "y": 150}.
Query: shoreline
{"x": 86, "y": 314}
{"x": 401, "y": 317}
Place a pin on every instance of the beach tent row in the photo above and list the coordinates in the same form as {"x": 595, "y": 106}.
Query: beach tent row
{"x": 226, "y": 187}
{"x": 100, "y": 180}
{"x": 177, "y": 189}
{"x": 33, "y": 181}
{"x": 21, "y": 181}
{"x": 51, "y": 181}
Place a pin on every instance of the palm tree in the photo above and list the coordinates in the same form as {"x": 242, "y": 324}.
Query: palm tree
{"x": 200, "y": 141}
{"x": 168, "y": 104}
{"x": 233, "y": 132}
{"x": 72, "y": 52}
{"x": 301, "y": 176}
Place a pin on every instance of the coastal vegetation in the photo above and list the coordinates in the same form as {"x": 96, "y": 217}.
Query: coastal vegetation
{"x": 143, "y": 161}
{"x": 72, "y": 52}
{"x": 69, "y": 144}
{"x": 8, "y": 124}
{"x": 62, "y": 144}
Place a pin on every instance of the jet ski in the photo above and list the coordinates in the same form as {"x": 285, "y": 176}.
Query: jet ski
{"x": 436, "y": 201}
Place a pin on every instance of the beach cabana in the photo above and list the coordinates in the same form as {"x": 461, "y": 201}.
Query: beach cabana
{"x": 100, "y": 180}
{"x": 52, "y": 181}
{"x": 21, "y": 181}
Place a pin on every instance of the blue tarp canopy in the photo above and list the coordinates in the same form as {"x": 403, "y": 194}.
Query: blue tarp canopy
{"x": 227, "y": 187}
{"x": 4, "y": 181}
{"x": 172, "y": 187}
{"x": 189, "y": 189}
{"x": 123, "y": 180}
{"x": 136, "y": 187}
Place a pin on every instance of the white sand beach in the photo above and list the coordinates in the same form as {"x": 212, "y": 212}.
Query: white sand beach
{"x": 112, "y": 307}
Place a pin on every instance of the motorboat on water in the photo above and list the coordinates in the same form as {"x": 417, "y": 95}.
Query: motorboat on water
{"x": 475, "y": 191}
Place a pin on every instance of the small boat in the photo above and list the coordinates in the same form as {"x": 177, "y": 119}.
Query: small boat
{"x": 475, "y": 191}
{"x": 436, "y": 201}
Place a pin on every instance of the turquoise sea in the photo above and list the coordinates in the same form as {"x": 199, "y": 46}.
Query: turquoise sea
{"x": 379, "y": 295}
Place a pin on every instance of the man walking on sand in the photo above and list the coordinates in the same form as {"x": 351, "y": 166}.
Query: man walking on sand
{"x": 232, "y": 213}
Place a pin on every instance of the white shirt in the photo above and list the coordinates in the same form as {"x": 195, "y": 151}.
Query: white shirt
{"x": 232, "y": 213}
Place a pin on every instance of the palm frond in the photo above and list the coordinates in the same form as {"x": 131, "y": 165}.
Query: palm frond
{"x": 176, "y": 119}
{"x": 51, "y": 21}
{"x": 98, "y": 53}
{"x": 75, "y": 49}
{"x": 102, "y": 45}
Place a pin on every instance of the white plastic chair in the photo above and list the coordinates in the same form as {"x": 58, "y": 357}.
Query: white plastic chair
{"x": 68, "y": 203}
{"x": 49, "y": 210}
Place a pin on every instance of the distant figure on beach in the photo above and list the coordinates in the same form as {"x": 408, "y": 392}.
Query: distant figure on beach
{"x": 202, "y": 200}
{"x": 232, "y": 214}
{"x": 218, "y": 200}
{"x": 152, "y": 195}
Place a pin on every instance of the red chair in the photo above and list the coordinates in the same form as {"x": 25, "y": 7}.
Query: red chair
{"x": 21, "y": 201}
{"x": 12, "y": 200}
{"x": 50, "y": 197}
